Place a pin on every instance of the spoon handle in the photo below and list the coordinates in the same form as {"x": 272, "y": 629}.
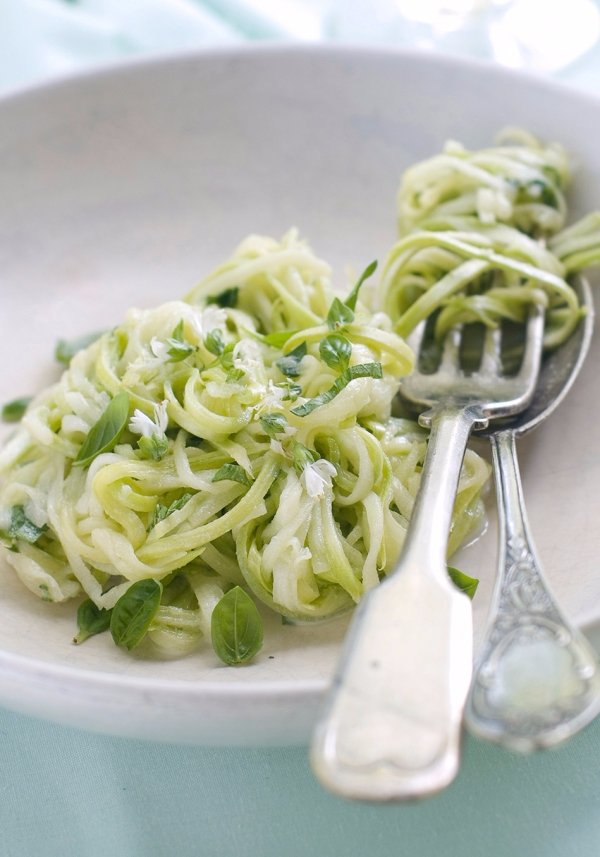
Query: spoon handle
{"x": 536, "y": 682}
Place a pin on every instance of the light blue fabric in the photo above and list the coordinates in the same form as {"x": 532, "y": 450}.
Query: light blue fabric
{"x": 74, "y": 794}
{"x": 65, "y": 793}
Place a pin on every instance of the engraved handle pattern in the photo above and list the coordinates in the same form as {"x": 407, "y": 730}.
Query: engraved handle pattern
{"x": 536, "y": 682}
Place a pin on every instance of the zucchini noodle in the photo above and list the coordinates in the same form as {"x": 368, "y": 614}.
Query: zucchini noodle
{"x": 242, "y": 436}
{"x": 482, "y": 237}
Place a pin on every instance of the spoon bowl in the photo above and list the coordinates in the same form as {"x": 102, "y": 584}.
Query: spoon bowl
{"x": 536, "y": 682}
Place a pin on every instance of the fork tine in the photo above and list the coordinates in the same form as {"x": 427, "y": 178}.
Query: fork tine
{"x": 532, "y": 355}
{"x": 450, "y": 354}
{"x": 416, "y": 336}
{"x": 491, "y": 362}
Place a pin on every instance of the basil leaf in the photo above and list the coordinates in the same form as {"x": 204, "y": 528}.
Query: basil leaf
{"x": 154, "y": 447}
{"x": 178, "y": 351}
{"x": 233, "y": 472}
{"x": 273, "y": 424}
{"x": 353, "y": 296}
{"x": 290, "y": 364}
{"x": 301, "y": 456}
{"x": 177, "y": 334}
{"x": 161, "y": 511}
{"x": 214, "y": 342}
{"x": 21, "y": 528}
{"x": 226, "y": 357}
{"x": 178, "y": 348}
{"x": 540, "y": 191}
{"x": 134, "y": 611}
{"x": 339, "y": 314}
{"x": 361, "y": 370}
{"x": 292, "y": 392}
{"x": 236, "y": 627}
{"x": 463, "y": 581}
{"x": 66, "y": 349}
{"x": 104, "y": 435}
{"x": 13, "y": 411}
{"x": 91, "y": 620}
{"x": 227, "y": 298}
{"x": 335, "y": 351}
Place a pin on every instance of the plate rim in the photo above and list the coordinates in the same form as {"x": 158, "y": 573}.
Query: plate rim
{"x": 23, "y": 669}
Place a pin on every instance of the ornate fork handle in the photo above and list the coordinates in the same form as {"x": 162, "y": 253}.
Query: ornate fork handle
{"x": 536, "y": 682}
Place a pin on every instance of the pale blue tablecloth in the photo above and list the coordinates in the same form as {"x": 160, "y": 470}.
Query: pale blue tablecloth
{"x": 69, "y": 793}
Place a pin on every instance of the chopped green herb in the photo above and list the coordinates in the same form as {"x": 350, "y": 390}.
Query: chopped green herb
{"x": 23, "y": 529}
{"x": 134, "y": 611}
{"x": 463, "y": 581}
{"x": 91, "y": 620}
{"x": 236, "y": 628}
{"x": 105, "y": 434}
{"x": 301, "y": 456}
{"x": 13, "y": 411}
{"x": 335, "y": 351}
{"x": 228, "y": 298}
{"x": 292, "y": 391}
{"x": 339, "y": 314}
{"x": 541, "y": 191}
{"x": 353, "y": 296}
{"x": 154, "y": 447}
{"x": 226, "y": 357}
{"x": 361, "y": 370}
{"x": 273, "y": 424}
{"x": 178, "y": 348}
{"x": 162, "y": 511}
{"x": 290, "y": 364}
{"x": 66, "y": 349}
{"x": 214, "y": 342}
{"x": 232, "y": 472}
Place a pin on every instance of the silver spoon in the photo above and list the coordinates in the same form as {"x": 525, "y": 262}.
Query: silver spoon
{"x": 536, "y": 682}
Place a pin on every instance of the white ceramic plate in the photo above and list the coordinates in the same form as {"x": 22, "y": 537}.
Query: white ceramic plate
{"x": 125, "y": 187}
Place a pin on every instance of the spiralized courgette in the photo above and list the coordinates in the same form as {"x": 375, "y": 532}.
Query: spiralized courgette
{"x": 482, "y": 237}
{"x": 242, "y": 436}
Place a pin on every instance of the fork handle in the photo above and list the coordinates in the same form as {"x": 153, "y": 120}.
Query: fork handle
{"x": 536, "y": 681}
{"x": 391, "y": 726}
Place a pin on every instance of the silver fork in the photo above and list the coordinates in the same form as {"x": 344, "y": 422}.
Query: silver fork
{"x": 391, "y": 726}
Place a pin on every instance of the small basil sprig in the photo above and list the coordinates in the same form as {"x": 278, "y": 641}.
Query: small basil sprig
{"x": 353, "y": 296}
{"x": 236, "y": 628}
{"x": 233, "y": 472}
{"x": 292, "y": 391}
{"x": 361, "y": 370}
{"x": 225, "y": 299}
{"x": 162, "y": 511}
{"x": 154, "y": 447}
{"x": 66, "y": 349}
{"x": 214, "y": 342}
{"x": 467, "y": 584}
{"x": 22, "y": 528}
{"x": 273, "y": 424}
{"x": 301, "y": 456}
{"x": 91, "y": 620}
{"x": 342, "y": 312}
{"x": 105, "y": 434}
{"x": 290, "y": 364}
{"x": 133, "y": 613}
{"x": 335, "y": 351}
{"x": 339, "y": 314}
{"x": 13, "y": 411}
{"x": 178, "y": 348}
